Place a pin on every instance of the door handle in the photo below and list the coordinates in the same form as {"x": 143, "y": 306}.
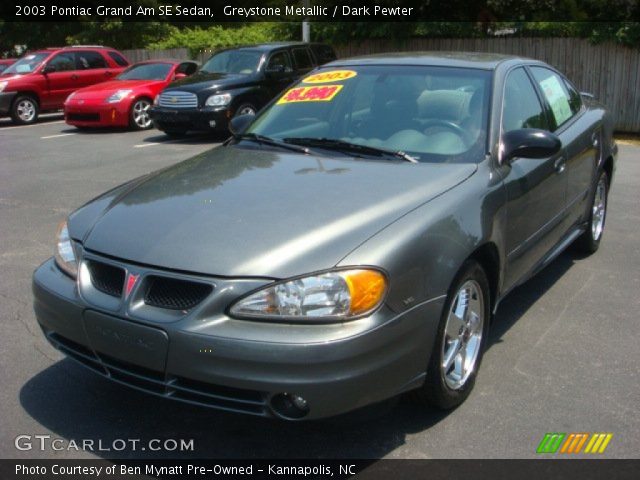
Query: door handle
{"x": 560, "y": 164}
{"x": 74, "y": 77}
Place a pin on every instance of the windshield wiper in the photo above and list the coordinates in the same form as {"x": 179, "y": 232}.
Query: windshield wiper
{"x": 272, "y": 142}
{"x": 342, "y": 146}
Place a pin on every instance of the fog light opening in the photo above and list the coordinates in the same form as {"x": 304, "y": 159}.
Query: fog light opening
{"x": 289, "y": 405}
{"x": 212, "y": 123}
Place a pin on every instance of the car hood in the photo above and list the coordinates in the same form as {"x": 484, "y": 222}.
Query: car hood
{"x": 245, "y": 212}
{"x": 211, "y": 81}
{"x": 106, "y": 89}
{"x": 12, "y": 77}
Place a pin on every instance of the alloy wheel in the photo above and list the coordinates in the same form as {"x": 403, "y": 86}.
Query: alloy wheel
{"x": 141, "y": 114}
{"x": 26, "y": 110}
{"x": 599, "y": 209}
{"x": 463, "y": 335}
{"x": 246, "y": 110}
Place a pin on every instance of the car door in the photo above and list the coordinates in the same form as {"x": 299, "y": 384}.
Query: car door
{"x": 60, "y": 78}
{"x": 581, "y": 140}
{"x": 92, "y": 68}
{"x": 535, "y": 188}
{"x": 280, "y": 70}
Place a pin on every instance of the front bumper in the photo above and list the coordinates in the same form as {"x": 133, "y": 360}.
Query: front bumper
{"x": 6, "y": 99}
{"x": 204, "y": 357}
{"x": 94, "y": 115}
{"x": 207, "y": 119}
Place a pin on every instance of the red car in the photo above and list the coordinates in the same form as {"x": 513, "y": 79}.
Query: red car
{"x": 43, "y": 79}
{"x": 5, "y": 62}
{"x": 125, "y": 101}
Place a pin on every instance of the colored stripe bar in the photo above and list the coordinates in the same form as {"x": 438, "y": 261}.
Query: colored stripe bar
{"x": 551, "y": 442}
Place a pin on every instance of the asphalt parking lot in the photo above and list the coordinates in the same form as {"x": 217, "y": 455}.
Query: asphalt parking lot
{"x": 563, "y": 355}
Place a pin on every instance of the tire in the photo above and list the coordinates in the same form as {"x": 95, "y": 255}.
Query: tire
{"x": 446, "y": 388}
{"x": 589, "y": 241}
{"x": 25, "y": 110}
{"x": 139, "y": 118}
{"x": 245, "y": 109}
{"x": 175, "y": 133}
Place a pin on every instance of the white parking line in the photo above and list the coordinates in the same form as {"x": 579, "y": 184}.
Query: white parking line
{"x": 43, "y": 124}
{"x": 142, "y": 145}
{"x": 56, "y": 136}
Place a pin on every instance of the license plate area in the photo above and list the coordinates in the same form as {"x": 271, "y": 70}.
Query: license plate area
{"x": 127, "y": 341}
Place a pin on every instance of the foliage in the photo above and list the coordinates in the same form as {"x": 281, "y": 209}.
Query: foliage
{"x": 197, "y": 38}
{"x": 119, "y": 34}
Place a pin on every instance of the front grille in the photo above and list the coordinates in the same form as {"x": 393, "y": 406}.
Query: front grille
{"x": 151, "y": 381}
{"x": 106, "y": 278}
{"x": 175, "y": 294}
{"x": 176, "y": 99}
{"x": 84, "y": 117}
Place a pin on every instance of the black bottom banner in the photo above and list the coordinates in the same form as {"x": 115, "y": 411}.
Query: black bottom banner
{"x": 583, "y": 469}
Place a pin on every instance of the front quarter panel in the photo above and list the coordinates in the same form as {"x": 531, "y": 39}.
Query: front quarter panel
{"x": 423, "y": 250}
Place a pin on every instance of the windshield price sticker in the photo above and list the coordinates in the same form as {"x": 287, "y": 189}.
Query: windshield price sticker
{"x": 332, "y": 76}
{"x": 324, "y": 93}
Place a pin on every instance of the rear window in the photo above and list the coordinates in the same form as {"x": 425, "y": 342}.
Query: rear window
{"x": 302, "y": 58}
{"x": 323, "y": 53}
{"x": 90, "y": 60}
{"x": 119, "y": 59}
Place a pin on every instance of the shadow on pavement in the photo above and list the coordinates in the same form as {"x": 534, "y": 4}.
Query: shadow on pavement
{"x": 42, "y": 120}
{"x": 74, "y": 403}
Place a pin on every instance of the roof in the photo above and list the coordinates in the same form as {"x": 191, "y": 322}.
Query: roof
{"x": 173, "y": 61}
{"x": 482, "y": 60}
{"x": 268, "y": 46}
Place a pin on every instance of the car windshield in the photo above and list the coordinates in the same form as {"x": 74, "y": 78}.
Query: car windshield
{"x": 433, "y": 114}
{"x": 26, "y": 64}
{"x": 244, "y": 62}
{"x": 146, "y": 71}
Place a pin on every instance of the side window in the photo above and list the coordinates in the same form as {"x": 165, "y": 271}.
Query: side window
{"x": 280, "y": 60}
{"x": 63, "y": 62}
{"x": 521, "y": 107}
{"x": 90, "y": 60}
{"x": 302, "y": 58}
{"x": 575, "y": 99}
{"x": 323, "y": 53}
{"x": 119, "y": 59}
{"x": 556, "y": 94}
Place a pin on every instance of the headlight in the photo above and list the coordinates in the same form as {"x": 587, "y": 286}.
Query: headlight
{"x": 3, "y": 85}
{"x": 70, "y": 97}
{"x": 218, "y": 100}
{"x": 156, "y": 100}
{"x": 118, "y": 96}
{"x": 65, "y": 255}
{"x": 337, "y": 295}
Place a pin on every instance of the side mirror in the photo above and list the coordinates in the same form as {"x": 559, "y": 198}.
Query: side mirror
{"x": 48, "y": 69}
{"x": 528, "y": 143}
{"x": 239, "y": 124}
{"x": 179, "y": 76}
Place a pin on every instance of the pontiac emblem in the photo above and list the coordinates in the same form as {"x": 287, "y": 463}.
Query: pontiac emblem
{"x": 131, "y": 282}
{"x": 174, "y": 99}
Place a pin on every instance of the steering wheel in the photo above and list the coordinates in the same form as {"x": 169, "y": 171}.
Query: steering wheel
{"x": 457, "y": 129}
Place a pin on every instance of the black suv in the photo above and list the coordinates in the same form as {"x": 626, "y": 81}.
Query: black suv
{"x": 235, "y": 81}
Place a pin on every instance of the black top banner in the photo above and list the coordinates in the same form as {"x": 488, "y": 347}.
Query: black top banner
{"x": 218, "y": 11}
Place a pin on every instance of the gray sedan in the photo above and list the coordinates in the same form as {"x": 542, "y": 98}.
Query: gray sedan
{"x": 348, "y": 244}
